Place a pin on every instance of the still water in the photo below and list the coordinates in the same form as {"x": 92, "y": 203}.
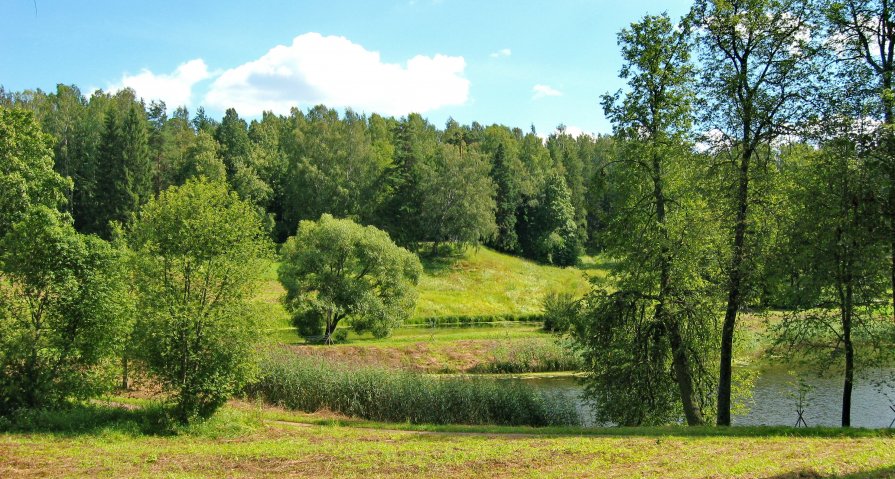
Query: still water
{"x": 774, "y": 399}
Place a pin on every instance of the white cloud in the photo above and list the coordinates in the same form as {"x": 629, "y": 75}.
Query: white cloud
{"x": 503, "y": 52}
{"x": 541, "y": 91}
{"x": 174, "y": 89}
{"x": 338, "y": 73}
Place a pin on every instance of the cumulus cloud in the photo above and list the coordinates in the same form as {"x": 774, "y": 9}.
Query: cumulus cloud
{"x": 338, "y": 73}
{"x": 503, "y": 52}
{"x": 175, "y": 89}
{"x": 541, "y": 91}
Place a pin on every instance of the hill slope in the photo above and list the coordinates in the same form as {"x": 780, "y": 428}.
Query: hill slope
{"x": 477, "y": 282}
{"x": 484, "y": 282}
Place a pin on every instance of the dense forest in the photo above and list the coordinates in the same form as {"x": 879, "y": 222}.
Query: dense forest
{"x": 458, "y": 185}
{"x": 751, "y": 166}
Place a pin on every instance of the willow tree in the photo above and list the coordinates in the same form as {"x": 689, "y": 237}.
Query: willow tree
{"x": 660, "y": 317}
{"x": 755, "y": 68}
{"x": 336, "y": 270}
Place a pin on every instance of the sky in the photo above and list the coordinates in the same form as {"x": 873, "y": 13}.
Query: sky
{"x": 518, "y": 63}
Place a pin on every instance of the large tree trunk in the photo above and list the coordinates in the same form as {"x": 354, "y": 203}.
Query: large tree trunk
{"x": 848, "y": 384}
{"x": 684, "y": 377}
{"x": 849, "y": 375}
{"x": 889, "y": 121}
{"x": 734, "y": 291}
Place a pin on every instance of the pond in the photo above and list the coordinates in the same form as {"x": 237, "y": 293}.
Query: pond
{"x": 773, "y": 402}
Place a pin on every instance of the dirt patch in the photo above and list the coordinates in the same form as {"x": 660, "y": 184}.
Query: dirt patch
{"x": 456, "y": 356}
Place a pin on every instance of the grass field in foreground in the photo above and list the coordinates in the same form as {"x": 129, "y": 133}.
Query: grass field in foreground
{"x": 246, "y": 441}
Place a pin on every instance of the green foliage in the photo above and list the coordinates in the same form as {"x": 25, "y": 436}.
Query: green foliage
{"x": 508, "y": 175}
{"x": 333, "y": 166}
{"x": 124, "y": 171}
{"x": 560, "y": 310}
{"x": 26, "y": 168}
{"x": 63, "y": 312}
{"x": 309, "y": 385}
{"x": 457, "y": 197}
{"x": 661, "y": 318}
{"x": 335, "y": 270}
{"x": 549, "y": 232}
{"x": 757, "y": 60}
{"x": 202, "y": 161}
{"x": 198, "y": 253}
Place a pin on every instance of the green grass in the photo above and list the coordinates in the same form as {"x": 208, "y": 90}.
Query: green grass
{"x": 250, "y": 441}
{"x": 484, "y": 282}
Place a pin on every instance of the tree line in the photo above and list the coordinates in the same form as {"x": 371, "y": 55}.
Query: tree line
{"x": 423, "y": 185}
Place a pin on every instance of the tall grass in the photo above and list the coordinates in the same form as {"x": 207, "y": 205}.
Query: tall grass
{"x": 536, "y": 355}
{"x": 308, "y": 384}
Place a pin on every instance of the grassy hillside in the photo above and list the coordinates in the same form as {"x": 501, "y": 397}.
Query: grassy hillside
{"x": 484, "y": 282}
{"x": 478, "y": 282}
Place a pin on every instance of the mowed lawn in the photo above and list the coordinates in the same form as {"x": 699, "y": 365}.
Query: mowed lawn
{"x": 276, "y": 443}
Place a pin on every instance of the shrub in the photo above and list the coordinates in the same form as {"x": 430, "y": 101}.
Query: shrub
{"x": 63, "y": 312}
{"x": 560, "y": 309}
{"x": 472, "y": 320}
{"x": 529, "y": 356}
{"x": 198, "y": 253}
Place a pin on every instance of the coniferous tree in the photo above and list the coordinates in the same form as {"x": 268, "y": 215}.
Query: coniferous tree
{"x": 124, "y": 169}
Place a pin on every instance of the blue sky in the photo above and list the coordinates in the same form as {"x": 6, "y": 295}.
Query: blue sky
{"x": 512, "y": 62}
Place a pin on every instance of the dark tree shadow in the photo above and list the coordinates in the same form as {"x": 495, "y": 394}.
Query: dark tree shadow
{"x": 884, "y": 472}
{"x": 89, "y": 419}
{"x": 442, "y": 262}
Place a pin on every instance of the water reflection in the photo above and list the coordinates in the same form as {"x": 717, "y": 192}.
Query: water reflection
{"x": 773, "y": 403}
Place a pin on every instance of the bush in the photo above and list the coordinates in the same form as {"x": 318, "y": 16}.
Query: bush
{"x": 560, "y": 309}
{"x": 63, "y": 312}
{"x": 309, "y": 385}
{"x": 198, "y": 253}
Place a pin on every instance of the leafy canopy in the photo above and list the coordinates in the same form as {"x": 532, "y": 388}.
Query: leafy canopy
{"x": 63, "y": 312}
{"x": 198, "y": 253}
{"x": 335, "y": 270}
{"x": 26, "y": 168}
